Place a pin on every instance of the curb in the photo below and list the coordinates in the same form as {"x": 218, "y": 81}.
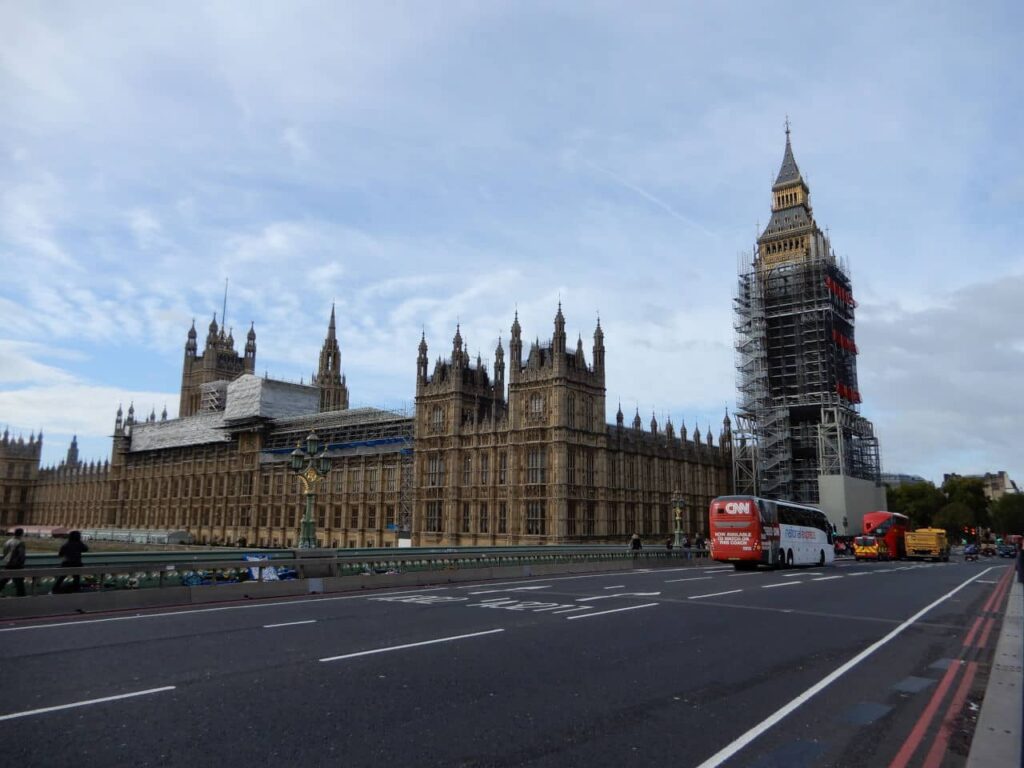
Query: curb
{"x": 997, "y": 737}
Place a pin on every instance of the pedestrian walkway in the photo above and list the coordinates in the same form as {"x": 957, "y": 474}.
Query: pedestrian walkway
{"x": 997, "y": 738}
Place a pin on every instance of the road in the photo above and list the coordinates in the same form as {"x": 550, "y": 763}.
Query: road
{"x": 696, "y": 666}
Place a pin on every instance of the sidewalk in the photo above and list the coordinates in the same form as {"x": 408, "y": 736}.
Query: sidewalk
{"x": 997, "y": 738}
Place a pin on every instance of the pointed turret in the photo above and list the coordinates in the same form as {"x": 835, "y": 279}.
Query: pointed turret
{"x": 163, "y": 414}
{"x": 619, "y": 418}
{"x": 599, "y": 349}
{"x": 421, "y": 360}
{"x": 190, "y": 343}
{"x": 250, "y": 349}
{"x": 333, "y": 390}
{"x": 558, "y": 340}
{"x": 654, "y": 424}
{"x": 637, "y": 423}
{"x": 118, "y": 423}
{"x": 515, "y": 348}
{"x": 211, "y": 337}
{"x": 72, "y": 456}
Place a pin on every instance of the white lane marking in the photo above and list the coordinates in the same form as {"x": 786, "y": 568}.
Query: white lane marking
{"x": 747, "y": 574}
{"x": 212, "y": 610}
{"x": 714, "y": 594}
{"x": 826, "y": 578}
{"x": 731, "y": 749}
{"x": 614, "y": 610}
{"x": 615, "y": 575}
{"x": 410, "y": 645}
{"x": 516, "y": 589}
{"x": 86, "y": 703}
{"x": 620, "y": 594}
{"x": 715, "y": 568}
{"x": 694, "y": 578}
{"x": 577, "y": 608}
{"x": 859, "y": 573}
{"x": 987, "y": 581}
{"x": 781, "y": 584}
{"x": 617, "y": 586}
{"x": 289, "y": 623}
{"x": 791, "y": 575}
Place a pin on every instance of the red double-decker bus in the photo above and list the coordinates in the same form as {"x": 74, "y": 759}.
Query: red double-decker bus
{"x": 890, "y": 527}
{"x": 748, "y": 531}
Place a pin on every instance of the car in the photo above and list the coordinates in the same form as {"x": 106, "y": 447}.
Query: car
{"x": 971, "y": 552}
{"x": 1006, "y": 550}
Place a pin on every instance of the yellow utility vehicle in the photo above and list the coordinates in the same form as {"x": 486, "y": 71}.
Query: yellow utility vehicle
{"x": 927, "y": 544}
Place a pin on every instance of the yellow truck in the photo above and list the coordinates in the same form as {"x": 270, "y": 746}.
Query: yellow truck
{"x": 927, "y": 544}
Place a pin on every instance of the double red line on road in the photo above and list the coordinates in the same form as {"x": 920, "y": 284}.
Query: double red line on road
{"x": 974, "y": 643}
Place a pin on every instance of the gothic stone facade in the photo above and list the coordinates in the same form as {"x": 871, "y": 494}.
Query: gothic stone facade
{"x": 19, "y": 466}
{"x": 541, "y": 465}
{"x": 471, "y": 467}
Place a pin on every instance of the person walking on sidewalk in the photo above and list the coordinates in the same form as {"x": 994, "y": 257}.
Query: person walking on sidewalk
{"x": 71, "y": 557}
{"x": 14, "y": 559}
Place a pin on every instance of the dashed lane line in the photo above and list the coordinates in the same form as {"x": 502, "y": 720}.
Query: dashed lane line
{"x": 826, "y": 578}
{"x": 43, "y": 710}
{"x": 714, "y": 594}
{"x": 616, "y": 586}
{"x": 613, "y": 610}
{"x": 781, "y": 584}
{"x": 693, "y": 578}
{"x": 411, "y": 645}
{"x": 289, "y": 624}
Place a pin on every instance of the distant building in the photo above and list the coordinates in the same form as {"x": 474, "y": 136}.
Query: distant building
{"x": 894, "y": 480}
{"x": 996, "y": 484}
{"x": 799, "y": 433}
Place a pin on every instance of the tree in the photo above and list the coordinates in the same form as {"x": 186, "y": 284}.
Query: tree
{"x": 920, "y": 502}
{"x": 969, "y": 491}
{"x": 954, "y": 517}
{"x": 1008, "y": 514}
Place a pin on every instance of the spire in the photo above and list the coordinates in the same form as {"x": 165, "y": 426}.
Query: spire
{"x": 637, "y": 423}
{"x": 423, "y": 342}
{"x": 654, "y": 424}
{"x": 330, "y": 325}
{"x": 619, "y": 418}
{"x": 163, "y": 414}
{"x": 789, "y": 173}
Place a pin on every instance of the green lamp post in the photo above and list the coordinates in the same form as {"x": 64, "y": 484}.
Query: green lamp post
{"x": 311, "y": 465}
{"x": 678, "y": 505}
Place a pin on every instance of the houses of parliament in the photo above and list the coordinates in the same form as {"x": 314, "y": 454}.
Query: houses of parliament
{"x": 513, "y": 455}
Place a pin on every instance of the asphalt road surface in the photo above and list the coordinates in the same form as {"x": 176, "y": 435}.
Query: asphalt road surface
{"x": 850, "y": 665}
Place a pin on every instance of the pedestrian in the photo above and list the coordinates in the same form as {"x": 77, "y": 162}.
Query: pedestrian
{"x": 14, "y": 558}
{"x": 71, "y": 557}
{"x": 635, "y": 545}
{"x": 668, "y": 543}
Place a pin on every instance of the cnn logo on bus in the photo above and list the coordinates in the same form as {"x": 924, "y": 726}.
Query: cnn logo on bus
{"x": 737, "y": 508}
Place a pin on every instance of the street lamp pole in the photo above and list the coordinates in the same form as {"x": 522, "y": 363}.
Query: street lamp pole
{"x": 678, "y": 505}
{"x": 311, "y": 465}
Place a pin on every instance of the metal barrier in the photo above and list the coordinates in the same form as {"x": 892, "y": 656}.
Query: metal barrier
{"x": 206, "y": 569}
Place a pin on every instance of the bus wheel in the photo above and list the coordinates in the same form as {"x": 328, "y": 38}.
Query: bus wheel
{"x": 780, "y": 559}
{"x": 821, "y": 559}
{"x": 789, "y": 559}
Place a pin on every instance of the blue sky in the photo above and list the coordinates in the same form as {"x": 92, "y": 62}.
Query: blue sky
{"x": 422, "y": 164}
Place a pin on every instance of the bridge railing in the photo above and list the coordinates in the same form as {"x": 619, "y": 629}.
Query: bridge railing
{"x": 175, "y": 569}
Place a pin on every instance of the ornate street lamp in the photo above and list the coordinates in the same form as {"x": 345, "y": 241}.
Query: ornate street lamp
{"x": 678, "y": 507}
{"x": 311, "y": 465}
